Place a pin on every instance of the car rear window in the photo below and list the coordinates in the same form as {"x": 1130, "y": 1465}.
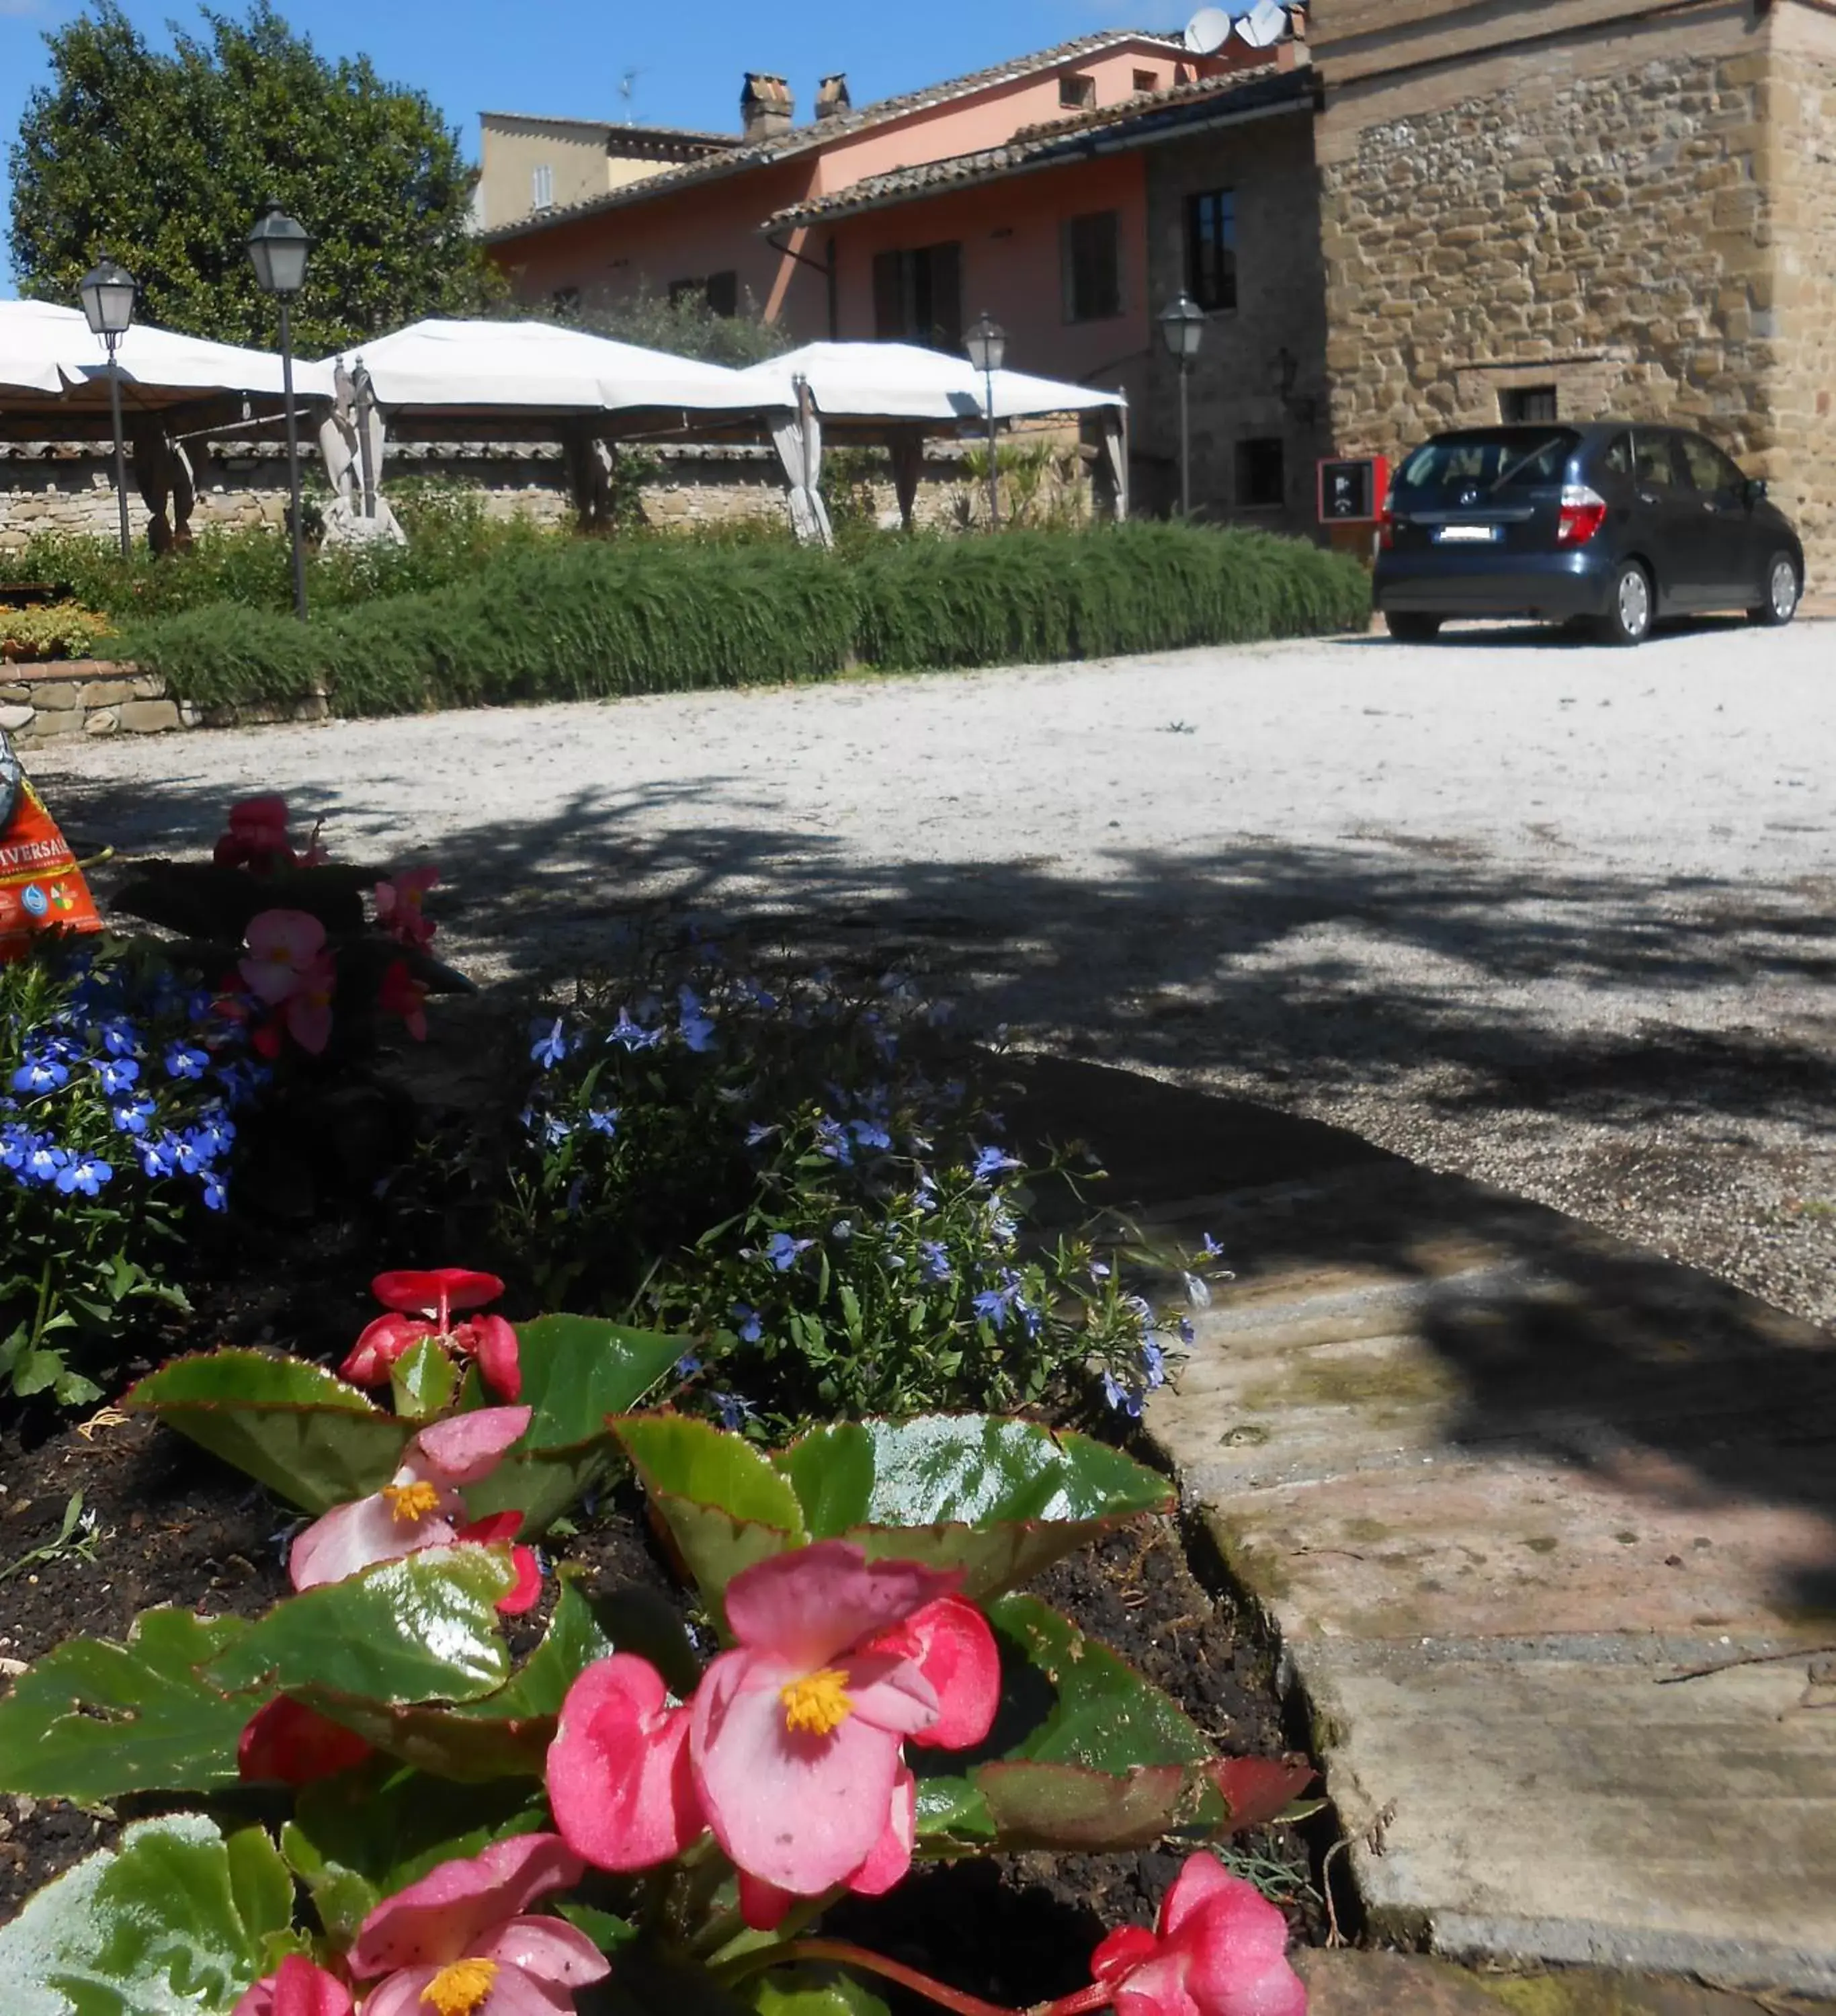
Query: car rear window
{"x": 1505, "y": 458}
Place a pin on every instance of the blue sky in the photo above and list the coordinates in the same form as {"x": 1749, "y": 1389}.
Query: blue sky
{"x": 684, "y": 57}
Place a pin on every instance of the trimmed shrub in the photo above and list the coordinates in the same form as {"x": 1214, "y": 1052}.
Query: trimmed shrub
{"x": 560, "y": 619}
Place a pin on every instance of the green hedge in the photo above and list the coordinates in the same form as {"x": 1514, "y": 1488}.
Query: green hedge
{"x": 571, "y": 620}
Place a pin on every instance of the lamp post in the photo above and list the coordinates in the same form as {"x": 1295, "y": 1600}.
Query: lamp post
{"x": 987, "y": 344}
{"x": 108, "y": 307}
{"x": 1183, "y": 325}
{"x": 277, "y": 251}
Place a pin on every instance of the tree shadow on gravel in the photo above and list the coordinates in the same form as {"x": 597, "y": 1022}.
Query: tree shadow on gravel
{"x": 1536, "y": 993}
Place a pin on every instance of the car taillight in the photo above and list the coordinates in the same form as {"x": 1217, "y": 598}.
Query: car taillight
{"x": 1584, "y": 511}
{"x": 1386, "y": 527}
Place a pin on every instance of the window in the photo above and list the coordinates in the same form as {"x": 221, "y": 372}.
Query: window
{"x": 918, "y": 296}
{"x": 1487, "y": 458}
{"x": 1147, "y": 79}
{"x": 1616, "y": 461}
{"x": 1709, "y": 471}
{"x": 1519, "y": 404}
{"x": 1651, "y": 446}
{"x": 720, "y": 292}
{"x": 1262, "y": 476}
{"x": 1211, "y": 248}
{"x": 541, "y": 187}
{"x": 1091, "y": 259}
{"x": 1077, "y": 92}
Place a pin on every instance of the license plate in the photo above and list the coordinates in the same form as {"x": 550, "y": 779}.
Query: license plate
{"x": 1466, "y": 535}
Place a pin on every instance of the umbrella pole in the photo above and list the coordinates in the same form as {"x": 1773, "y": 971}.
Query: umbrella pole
{"x": 114, "y": 400}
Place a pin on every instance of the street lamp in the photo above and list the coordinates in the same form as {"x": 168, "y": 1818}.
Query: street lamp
{"x": 987, "y": 344}
{"x": 1182, "y": 324}
{"x": 108, "y": 306}
{"x": 277, "y": 251}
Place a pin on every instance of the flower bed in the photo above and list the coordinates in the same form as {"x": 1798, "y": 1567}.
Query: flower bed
{"x": 484, "y": 1657}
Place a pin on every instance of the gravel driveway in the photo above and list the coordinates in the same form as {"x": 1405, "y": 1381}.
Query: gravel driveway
{"x": 1558, "y": 917}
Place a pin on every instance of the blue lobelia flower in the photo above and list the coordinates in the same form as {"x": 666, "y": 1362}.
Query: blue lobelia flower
{"x": 215, "y": 1131}
{"x": 117, "y": 1074}
{"x": 698, "y": 1031}
{"x": 43, "y": 1161}
{"x": 1124, "y": 1399}
{"x": 1212, "y": 1250}
{"x": 183, "y": 1060}
{"x": 869, "y": 1133}
{"x": 758, "y": 1132}
{"x": 781, "y": 1250}
{"x": 549, "y": 1044}
{"x": 634, "y": 1035}
{"x": 41, "y": 1071}
{"x": 832, "y": 1141}
{"x": 994, "y": 1304}
{"x": 602, "y": 1120}
{"x": 161, "y": 1157}
{"x": 131, "y": 1115}
{"x": 215, "y": 1197}
{"x": 555, "y": 1130}
{"x": 688, "y": 1366}
{"x": 989, "y": 1163}
{"x": 1187, "y": 1333}
{"x": 84, "y": 1173}
{"x": 16, "y": 1144}
{"x": 734, "y": 1412}
{"x": 119, "y": 1038}
{"x": 746, "y": 1326}
{"x": 934, "y": 1260}
{"x": 1153, "y": 1363}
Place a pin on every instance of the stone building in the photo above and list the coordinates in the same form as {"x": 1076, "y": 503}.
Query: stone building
{"x": 1531, "y": 208}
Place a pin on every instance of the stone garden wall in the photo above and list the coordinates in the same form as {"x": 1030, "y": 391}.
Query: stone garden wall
{"x": 1642, "y": 215}
{"x": 46, "y": 703}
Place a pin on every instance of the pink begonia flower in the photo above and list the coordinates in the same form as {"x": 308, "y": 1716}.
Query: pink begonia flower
{"x": 459, "y": 1943}
{"x": 796, "y": 1735}
{"x": 402, "y": 994}
{"x": 398, "y": 905}
{"x": 1219, "y": 1949}
{"x": 295, "y": 1988}
{"x": 288, "y": 967}
{"x": 287, "y": 1742}
{"x": 420, "y": 1507}
{"x": 424, "y": 1302}
{"x": 619, "y": 1783}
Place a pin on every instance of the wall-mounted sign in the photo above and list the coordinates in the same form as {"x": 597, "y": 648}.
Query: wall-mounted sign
{"x": 1353, "y": 492}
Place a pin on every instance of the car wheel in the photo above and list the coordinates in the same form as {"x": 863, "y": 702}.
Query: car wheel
{"x": 1412, "y": 626}
{"x": 1628, "y": 620}
{"x": 1782, "y": 591}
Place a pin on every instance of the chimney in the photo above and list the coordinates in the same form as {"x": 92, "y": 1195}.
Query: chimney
{"x": 765, "y": 107}
{"x": 832, "y": 98}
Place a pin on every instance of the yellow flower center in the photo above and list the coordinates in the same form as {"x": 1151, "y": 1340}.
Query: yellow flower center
{"x": 817, "y": 1703}
{"x": 457, "y": 1990}
{"x": 412, "y": 1502}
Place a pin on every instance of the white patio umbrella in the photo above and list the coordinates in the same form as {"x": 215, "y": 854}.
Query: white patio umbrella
{"x": 49, "y": 351}
{"x": 900, "y": 381}
{"x": 462, "y": 367}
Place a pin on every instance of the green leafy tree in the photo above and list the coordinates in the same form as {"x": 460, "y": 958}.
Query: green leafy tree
{"x": 685, "y": 327}
{"x": 164, "y": 160}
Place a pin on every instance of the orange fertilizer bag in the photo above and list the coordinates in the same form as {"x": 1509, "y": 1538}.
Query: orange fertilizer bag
{"x": 41, "y": 887}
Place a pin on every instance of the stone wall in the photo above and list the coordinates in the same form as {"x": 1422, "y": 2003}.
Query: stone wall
{"x": 1803, "y": 106}
{"x": 70, "y": 487}
{"x": 48, "y": 702}
{"x": 1235, "y": 386}
{"x": 1608, "y": 214}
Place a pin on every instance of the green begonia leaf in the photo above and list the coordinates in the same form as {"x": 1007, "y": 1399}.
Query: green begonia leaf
{"x": 175, "y": 1922}
{"x": 724, "y": 1504}
{"x": 92, "y": 1719}
{"x": 163, "y": 1712}
{"x": 422, "y": 1381}
{"x": 310, "y": 1436}
{"x": 1084, "y": 1754}
{"x": 810, "y": 1991}
{"x": 1000, "y": 1498}
{"x": 424, "y": 1628}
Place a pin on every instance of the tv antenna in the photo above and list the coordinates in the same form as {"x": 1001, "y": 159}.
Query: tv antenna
{"x": 627, "y": 87}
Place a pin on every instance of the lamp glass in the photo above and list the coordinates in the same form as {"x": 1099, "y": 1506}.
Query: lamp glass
{"x": 278, "y": 247}
{"x": 986, "y": 342}
{"x": 108, "y": 293}
{"x": 1183, "y": 326}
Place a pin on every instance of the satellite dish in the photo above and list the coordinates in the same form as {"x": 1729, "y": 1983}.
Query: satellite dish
{"x": 1265, "y": 23}
{"x": 1209, "y": 30}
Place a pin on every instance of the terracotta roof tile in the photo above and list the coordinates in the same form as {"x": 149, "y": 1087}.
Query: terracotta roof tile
{"x": 818, "y": 133}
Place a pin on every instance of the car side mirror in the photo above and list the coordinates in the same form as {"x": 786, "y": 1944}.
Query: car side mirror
{"x": 1756, "y": 491}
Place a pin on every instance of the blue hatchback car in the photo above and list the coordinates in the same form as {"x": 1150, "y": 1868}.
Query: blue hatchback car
{"x": 1606, "y": 526}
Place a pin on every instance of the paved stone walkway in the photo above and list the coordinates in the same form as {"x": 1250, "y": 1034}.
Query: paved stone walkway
{"x": 1508, "y": 1489}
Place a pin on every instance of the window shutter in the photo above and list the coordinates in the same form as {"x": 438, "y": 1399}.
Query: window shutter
{"x": 889, "y": 296}
{"x": 946, "y": 297}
